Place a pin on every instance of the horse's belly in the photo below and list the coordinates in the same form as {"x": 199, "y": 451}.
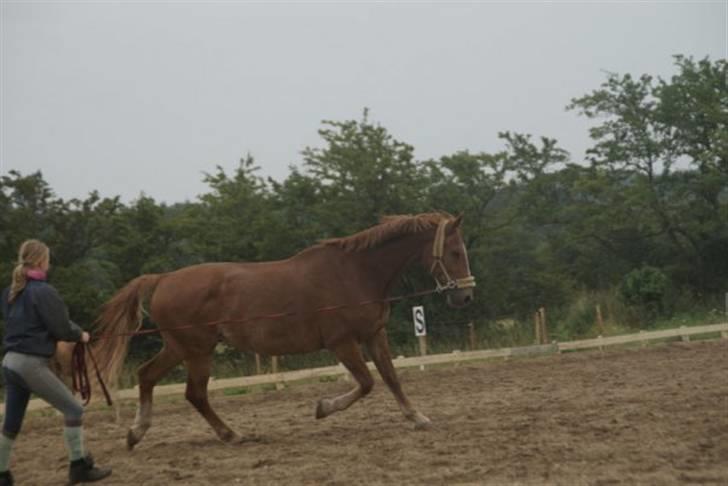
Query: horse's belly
{"x": 274, "y": 338}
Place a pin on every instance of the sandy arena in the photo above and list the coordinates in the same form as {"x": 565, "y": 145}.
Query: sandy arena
{"x": 630, "y": 416}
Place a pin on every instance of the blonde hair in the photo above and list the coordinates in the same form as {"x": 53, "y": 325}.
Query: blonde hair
{"x": 32, "y": 254}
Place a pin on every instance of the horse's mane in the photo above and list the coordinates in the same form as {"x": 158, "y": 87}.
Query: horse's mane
{"x": 389, "y": 228}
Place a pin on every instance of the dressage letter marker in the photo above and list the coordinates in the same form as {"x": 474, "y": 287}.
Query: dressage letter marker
{"x": 418, "y": 316}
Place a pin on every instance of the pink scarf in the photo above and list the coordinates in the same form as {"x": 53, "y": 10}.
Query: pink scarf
{"x": 35, "y": 274}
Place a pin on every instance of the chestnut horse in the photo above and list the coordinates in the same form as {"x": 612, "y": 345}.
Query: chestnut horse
{"x": 350, "y": 270}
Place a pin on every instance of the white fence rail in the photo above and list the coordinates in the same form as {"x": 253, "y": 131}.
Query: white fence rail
{"x": 454, "y": 357}
{"x": 682, "y": 332}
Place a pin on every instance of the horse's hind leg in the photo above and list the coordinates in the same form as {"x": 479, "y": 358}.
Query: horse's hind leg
{"x": 378, "y": 348}
{"x": 350, "y": 356}
{"x": 149, "y": 374}
{"x": 198, "y": 374}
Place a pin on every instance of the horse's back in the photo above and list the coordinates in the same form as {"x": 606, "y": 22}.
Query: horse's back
{"x": 191, "y": 289}
{"x": 214, "y": 291}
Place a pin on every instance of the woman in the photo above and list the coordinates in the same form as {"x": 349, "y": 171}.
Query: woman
{"x": 35, "y": 320}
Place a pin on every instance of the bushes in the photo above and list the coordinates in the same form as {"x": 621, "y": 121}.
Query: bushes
{"x": 645, "y": 286}
{"x": 644, "y": 290}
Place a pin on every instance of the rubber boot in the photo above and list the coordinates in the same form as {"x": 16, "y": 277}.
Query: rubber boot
{"x": 84, "y": 471}
{"x": 6, "y": 479}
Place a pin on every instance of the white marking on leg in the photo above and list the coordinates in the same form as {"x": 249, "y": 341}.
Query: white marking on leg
{"x": 143, "y": 417}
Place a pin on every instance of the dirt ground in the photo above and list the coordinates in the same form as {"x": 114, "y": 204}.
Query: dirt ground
{"x": 631, "y": 416}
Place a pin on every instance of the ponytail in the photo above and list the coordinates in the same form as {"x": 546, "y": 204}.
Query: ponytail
{"x": 19, "y": 281}
{"x": 32, "y": 254}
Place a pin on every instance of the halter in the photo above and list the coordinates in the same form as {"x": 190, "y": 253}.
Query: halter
{"x": 438, "y": 249}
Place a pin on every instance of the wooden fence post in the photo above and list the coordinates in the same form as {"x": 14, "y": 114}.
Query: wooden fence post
{"x": 471, "y": 334}
{"x": 423, "y": 348}
{"x": 274, "y": 369}
{"x": 257, "y": 364}
{"x": 537, "y": 327}
{"x": 600, "y": 321}
{"x": 274, "y": 364}
{"x": 685, "y": 338}
{"x": 423, "y": 345}
{"x": 544, "y": 328}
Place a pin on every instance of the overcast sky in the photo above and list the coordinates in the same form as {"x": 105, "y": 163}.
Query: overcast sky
{"x": 146, "y": 96}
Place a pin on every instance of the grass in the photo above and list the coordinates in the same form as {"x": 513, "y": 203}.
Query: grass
{"x": 238, "y": 390}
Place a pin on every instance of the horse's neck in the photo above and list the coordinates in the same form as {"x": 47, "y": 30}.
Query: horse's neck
{"x": 384, "y": 264}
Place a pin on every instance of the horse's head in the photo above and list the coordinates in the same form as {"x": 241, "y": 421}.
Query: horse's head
{"x": 448, "y": 263}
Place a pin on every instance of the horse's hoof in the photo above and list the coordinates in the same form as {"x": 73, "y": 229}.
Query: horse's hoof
{"x": 245, "y": 439}
{"x": 321, "y": 409}
{"x": 423, "y": 425}
{"x": 231, "y": 438}
{"x": 131, "y": 440}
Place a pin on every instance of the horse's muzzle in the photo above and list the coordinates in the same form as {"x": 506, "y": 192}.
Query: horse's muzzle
{"x": 459, "y": 297}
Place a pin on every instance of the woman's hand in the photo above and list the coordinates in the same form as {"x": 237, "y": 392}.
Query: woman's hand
{"x": 85, "y": 337}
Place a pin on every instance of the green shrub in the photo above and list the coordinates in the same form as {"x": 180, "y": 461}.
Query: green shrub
{"x": 644, "y": 286}
{"x": 644, "y": 290}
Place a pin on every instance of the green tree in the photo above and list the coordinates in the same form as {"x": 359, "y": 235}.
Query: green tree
{"x": 648, "y": 130}
{"x": 232, "y": 217}
{"x": 294, "y": 221}
{"x": 27, "y": 207}
{"x": 362, "y": 173}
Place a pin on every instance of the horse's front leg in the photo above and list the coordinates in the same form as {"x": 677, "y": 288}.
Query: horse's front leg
{"x": 349, "y": 354}
{"x": 378, "y": 348}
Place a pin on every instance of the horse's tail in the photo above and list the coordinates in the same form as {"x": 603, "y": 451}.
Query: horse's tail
{"x": 120, "y": 316}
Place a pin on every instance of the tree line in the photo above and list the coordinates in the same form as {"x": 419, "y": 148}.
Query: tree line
{"x": 643, "y": 220}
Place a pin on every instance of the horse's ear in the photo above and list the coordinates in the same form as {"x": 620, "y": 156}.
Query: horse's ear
{"x": 456, "y": 222}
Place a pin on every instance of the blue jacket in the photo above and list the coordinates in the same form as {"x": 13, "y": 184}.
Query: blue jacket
{"x": 36, "y": 320}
